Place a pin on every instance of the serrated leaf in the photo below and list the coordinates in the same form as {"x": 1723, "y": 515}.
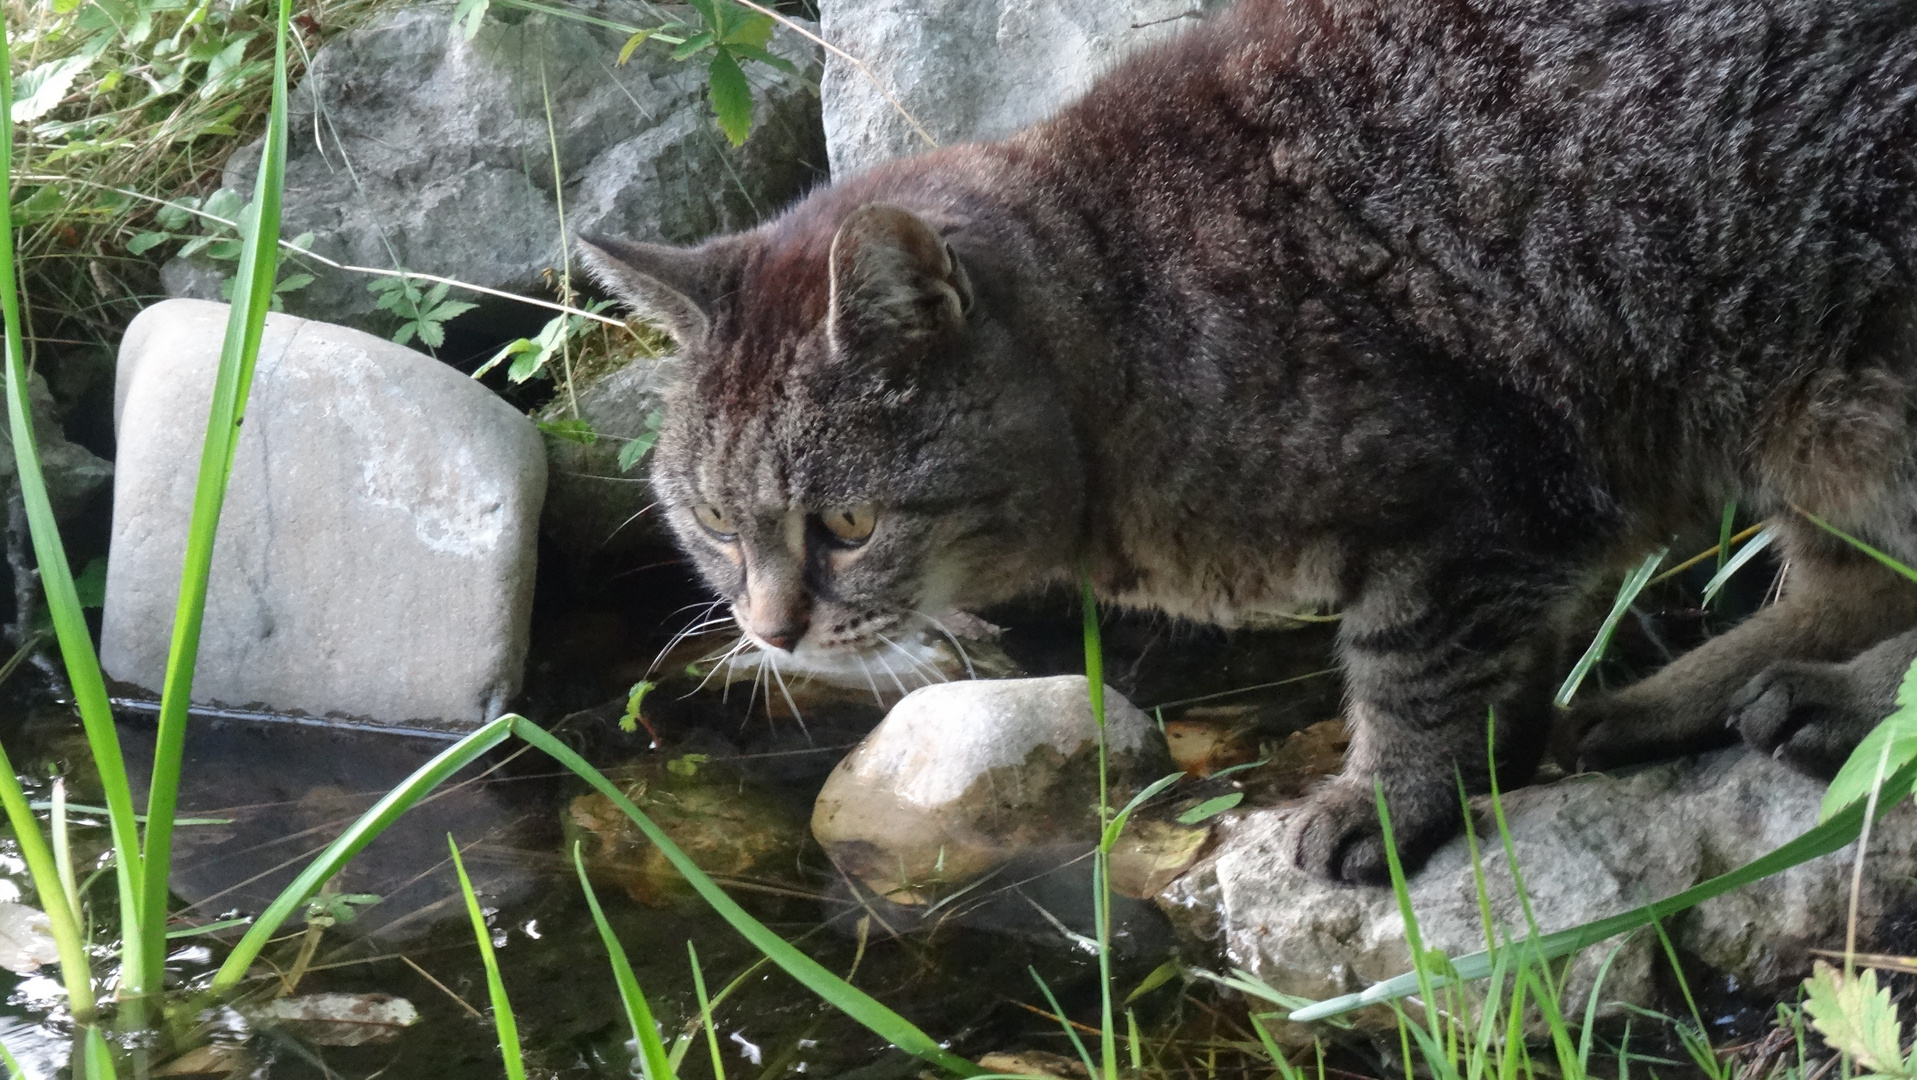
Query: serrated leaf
{"x": 40, "y": 90}
{"x": 405, "y": 333}
{"x": 435, "y": 294}
{"x": 450, "y": 310}
{"x": 525, "y": 366}
{"x": 293, "y": 283}
{"x": 1855, "y": 1017}
{"x": 755, "y": 31}
{"x": 1891, "y": 744}
{"x": 635, "y": 699}
{"x": 573, "y": 429}
{"x": 632, "y": 45}
{"x": 431, "y": 334}
{"x": 146, "y": 242}
{"x": 731, "y": 96}
{"x": 706, "y": 11}
{"x": 763, "y": 57}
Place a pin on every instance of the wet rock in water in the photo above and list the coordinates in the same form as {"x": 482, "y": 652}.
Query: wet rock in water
{"x": 1587, "y": 847}
{"x": 728, "y": 824}
{"x": 412, "y": 147}
{"x": 962, "y": 778}
{"x": 338, "y": 1019}
{"x": 375, "y": 558}
{"x": 971, "y": 70}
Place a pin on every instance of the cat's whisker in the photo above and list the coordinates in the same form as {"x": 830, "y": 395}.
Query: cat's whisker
{"x": 717, "y": 660}
{"x": 877, "y": 698}
{"x": 893, "y": 675}
{"x": 926, "y": 671}
{"x": 773, "y": 665}
{"x": 964, "y": 657}
{"x": 702, "y": 620}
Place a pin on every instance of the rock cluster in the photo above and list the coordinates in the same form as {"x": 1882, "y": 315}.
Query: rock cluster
{"x": 412, "y": 147}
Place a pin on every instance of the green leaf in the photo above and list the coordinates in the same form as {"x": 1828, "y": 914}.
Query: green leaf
{"x": 525, "y": 366}
{"x": 293, "y": 283}
{"x": 693, "y": 45}
{"x": 635, "y": 699}
{"x": 1737, "y": 562}
{"x": 632, "y": 45}
{"x": 146, "y": 242}
{"x": 1890, "y": 746}
{"x": 572, "y": 429}
{"x": 432, "y": 334}
{"x": 755, "y": 32}
{"x": 639, "y": 444}
{"x": 763, "y": 57}
{"x": 512, "y": 349}
{"x": 90, "y": 586}
{"x": 40, "y": 90}
{"x": 448, "y": 310}
{"x": 467, "y": 16}
{"x": 687, "y": 764}
{"x": 405, "y": 332}
{"x": 1211, "y": 808}
{"x": 731, "y": 97}
{"x": 1856, "y": 1018}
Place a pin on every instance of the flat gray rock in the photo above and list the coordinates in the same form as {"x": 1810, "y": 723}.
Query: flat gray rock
{"x": 411, "y": 147}
{"x": 1587, "y": 847}
{"x": 375, "y": 558}
{"x": 972, "y": 69}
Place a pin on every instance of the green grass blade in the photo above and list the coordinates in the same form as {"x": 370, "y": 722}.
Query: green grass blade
{"x": 1729, "y": 567}
{"x": 1860, "y": 770}
{"x": 1626, "y": 594}
{"x": 1071, "y": 1033}
{"x": 645, "y": 1031}
{"x": 835, "y": 991}
{"x": 41, "y": 867}
{"x": 56, "y": 578}
{"x": 503, "y": 1020}
{"x": 356, "y": 837}
{"x": 705, "y": 1013}
{"x": 246, "y": 321}
{"x": 1889, "y": 562}
{"x": 13, "y": 1067}
{"x": 1840, "y": 829}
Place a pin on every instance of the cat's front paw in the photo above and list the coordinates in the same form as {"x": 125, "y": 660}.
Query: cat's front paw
{"x": 1809, "y": 716}
{"x": 1337, "y": 835}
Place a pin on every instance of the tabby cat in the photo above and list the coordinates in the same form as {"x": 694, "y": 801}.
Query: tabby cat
{"x": 1433, "y": 312}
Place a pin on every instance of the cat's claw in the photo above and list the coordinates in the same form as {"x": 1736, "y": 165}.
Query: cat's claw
{"x": 1801, "y": 714}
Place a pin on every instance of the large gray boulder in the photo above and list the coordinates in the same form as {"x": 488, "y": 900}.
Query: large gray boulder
{"x": 375, "y": 558}
{"x": 972, "y": 69}
{"x": 412, "y": 147}
{"x": 1587, "y": 847}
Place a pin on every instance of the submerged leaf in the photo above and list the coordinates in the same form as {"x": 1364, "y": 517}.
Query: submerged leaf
{"x": 26, "y": 939}
{"x": 340, "y": 1019}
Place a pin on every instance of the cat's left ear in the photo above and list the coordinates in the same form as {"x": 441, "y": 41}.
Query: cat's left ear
{"x": 895, "y": 280}
{"x": 673, "y": 287}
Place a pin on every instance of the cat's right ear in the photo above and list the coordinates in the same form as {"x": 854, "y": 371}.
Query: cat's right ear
{"x": 672, "y": 287}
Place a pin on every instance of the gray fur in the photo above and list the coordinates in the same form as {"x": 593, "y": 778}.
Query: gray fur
{"x": 1434, "y": 312}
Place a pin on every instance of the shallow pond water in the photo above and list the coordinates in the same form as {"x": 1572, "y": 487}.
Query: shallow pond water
{"x": 270, "y": 795}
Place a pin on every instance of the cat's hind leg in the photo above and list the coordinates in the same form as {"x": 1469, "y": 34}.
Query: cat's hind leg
{"x": 1836, "y": 603}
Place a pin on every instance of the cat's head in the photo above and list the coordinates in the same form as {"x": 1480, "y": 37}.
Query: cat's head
{"x": 857, "y": 439}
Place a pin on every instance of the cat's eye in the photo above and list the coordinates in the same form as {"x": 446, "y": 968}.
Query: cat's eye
{"x": 851, "y": 525}
{"x": 715, "y": 521}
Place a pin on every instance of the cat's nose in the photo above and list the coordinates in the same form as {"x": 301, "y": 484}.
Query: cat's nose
{"x": 784, "y": 634}
{"x": 777, "y": 617}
